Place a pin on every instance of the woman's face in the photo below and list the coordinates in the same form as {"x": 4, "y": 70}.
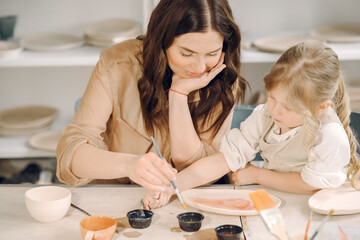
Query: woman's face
{"x": 193, "y": 54}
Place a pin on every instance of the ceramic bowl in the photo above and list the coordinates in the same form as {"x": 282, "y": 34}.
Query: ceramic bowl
{"x": 228, "y": 232}
{"x": 136, "y": 220}
{"x": 48, "y": 203}
{"x": 98, "y": 228}
{"x": 190, "y": 221}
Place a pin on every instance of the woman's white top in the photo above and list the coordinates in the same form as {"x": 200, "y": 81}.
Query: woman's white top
{"x": 287, "y": 152}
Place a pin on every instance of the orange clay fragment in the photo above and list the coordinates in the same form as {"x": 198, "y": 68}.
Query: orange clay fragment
{"x": 229, "y": 203}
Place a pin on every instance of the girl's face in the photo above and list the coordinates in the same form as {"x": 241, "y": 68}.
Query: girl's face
{"x": 193, "y": 54}
{"x": 284, "y": 117}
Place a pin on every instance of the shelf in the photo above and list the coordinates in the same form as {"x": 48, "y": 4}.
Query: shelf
{"x": 18, "y": 146}
{"x": 345, "y": 51}
{"x": 88, "y": 56}
{"x": 82, "y": 56}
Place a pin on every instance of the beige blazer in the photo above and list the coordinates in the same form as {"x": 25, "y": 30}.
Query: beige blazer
{"x": 109, "y": 116}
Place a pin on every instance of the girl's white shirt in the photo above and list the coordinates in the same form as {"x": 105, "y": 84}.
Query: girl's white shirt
{"x": 332, "y": 151}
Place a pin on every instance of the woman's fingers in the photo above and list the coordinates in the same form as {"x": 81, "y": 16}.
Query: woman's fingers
{"x": 152, "y": 172}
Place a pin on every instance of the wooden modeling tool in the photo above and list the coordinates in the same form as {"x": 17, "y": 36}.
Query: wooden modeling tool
{"x": 172, "y": 182}
{"x": 308, "y": 225}
{"x": 322, "y": 224}
{"x": 269, "y": 213}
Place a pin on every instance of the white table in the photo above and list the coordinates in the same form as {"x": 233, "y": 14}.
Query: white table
{"x": 115, "y": 201}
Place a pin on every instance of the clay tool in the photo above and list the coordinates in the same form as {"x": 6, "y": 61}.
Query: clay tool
{"x": 308, "y": 225}
{"x": 80, "y": 209}
{"x": 172, "y": 182}
{"x": 269, "y": 213}
{"x": 322, "y": 224}
{"x": 142, "y": 214}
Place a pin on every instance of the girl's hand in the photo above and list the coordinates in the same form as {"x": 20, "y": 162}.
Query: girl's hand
{"x": 151, "y": 172}
{"x": 154, "y": 200}
{"x": 187, "y": 85}
{"x": 245, "y": 175}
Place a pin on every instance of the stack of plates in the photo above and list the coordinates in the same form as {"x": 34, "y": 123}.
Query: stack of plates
{"x": 280, "y": 43}
{"x": 46, "y": 140}
{"x": 109, "y": 32}
{"x": 26, "y": 120}
{"x": 339, "y": 33}
{"x": 9, "y": 49}
{"x": 51, "y": 42}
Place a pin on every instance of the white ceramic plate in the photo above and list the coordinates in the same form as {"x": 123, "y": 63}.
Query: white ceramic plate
{"x": 47, "y": 140}
{"x": 21, "y": 131}
{"x": 338, "y": 33}
{"x": 281, "y": 43}
{"x": 189, "y": 197}
{"x": 343, "y": 200}
{"x": 9, "y": 49}
{"x": 104, "y": 43}
{"x": 27, "y": 117}
{"x": 113, "y": 28}
{"x": 51, "y": 42}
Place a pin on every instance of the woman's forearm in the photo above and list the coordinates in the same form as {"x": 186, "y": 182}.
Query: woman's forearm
{"x": 284, "y": 181}
{"x": 94, "y": 163}
{"x": 184, "y": 140}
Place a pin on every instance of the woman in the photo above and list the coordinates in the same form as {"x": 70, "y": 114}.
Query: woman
{"x": 171, "y": 84}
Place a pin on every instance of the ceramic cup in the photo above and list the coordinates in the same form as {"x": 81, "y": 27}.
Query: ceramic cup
{"x": 48, "y": 203}
{"x": 228, "y": 232}
{"x": 7, "y": 26}
{"x": 98, "y": 228}
{"x": 190, "y": 221}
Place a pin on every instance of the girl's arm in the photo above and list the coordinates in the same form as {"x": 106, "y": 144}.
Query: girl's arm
{"x": 284, "y": 181}
{"x": 202, "y": 171}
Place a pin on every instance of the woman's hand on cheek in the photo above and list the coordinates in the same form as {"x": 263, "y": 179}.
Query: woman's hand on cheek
{"x": 245, "y": 175}
{"x": 151, "y": 172}
{"x": 187, "y": 85}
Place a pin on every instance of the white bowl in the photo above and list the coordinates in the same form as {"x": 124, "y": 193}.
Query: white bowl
{"x": 48, "y": 203}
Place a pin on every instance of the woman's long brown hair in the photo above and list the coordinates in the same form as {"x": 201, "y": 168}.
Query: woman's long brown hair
{"x": 172, "y": 18}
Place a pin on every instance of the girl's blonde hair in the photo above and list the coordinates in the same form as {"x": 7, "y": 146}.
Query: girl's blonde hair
{"x": 311, "y": 73}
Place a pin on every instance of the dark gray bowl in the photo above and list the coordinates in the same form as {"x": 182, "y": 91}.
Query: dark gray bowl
{"x": 228, "y": 232}
{"x": 190, "y": 221}
{"x": 136, "y": 220}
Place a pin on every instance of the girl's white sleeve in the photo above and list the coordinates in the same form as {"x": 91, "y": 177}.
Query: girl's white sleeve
{"x": 240, "y": 145}
{"x": 332, "y": 155}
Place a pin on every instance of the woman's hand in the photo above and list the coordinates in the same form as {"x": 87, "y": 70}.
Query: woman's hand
{"x": 187, "y": 85}
{"x": 154, "y": 200}
{"x": 151, "y": 172}
{"x": 246, "y": 175}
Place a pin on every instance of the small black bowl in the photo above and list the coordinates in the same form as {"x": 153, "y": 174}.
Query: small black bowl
{"x": 190, "y": 221}
{"x": 136, "y": 220}
{"x": 228, "y": 232}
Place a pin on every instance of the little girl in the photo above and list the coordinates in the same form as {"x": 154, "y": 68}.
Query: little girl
{"x": 302, "y": 132}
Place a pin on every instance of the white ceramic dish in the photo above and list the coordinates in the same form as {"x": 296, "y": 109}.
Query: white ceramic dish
{"x": 28, "y": 117}
{"x": 48, "y": 203}
{"x": 221, "y": 194}
{"x": 341, "y": 33}
{"x": 343, "y": 200}
{"x": 50, "y": 42}
{"x": 279, "y": 44}
{"x": 104, "y": 43}
{"x": 47, "y": 140}
{"x": 113, "y": 28}
{"x": 21, "y": 131}
{"x": 9, "y": 49}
